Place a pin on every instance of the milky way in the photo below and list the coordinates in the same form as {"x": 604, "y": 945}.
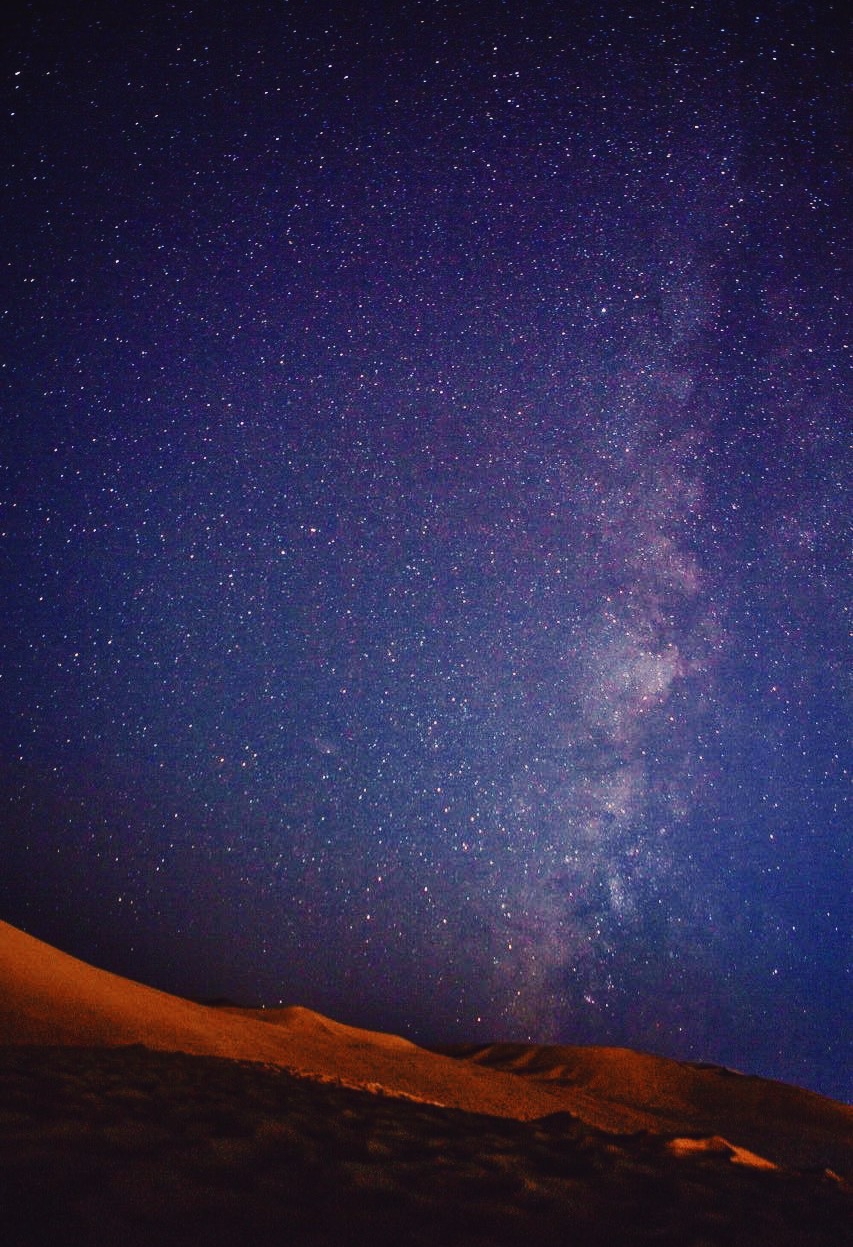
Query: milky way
{"x": 424, "y": 516}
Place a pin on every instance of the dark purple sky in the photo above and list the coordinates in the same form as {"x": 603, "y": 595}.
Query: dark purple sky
{"x": 424, "y": 514}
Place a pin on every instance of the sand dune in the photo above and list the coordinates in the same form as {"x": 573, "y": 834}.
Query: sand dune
{"x": 607, "y": 1086}
{"x": 50, "y": 998}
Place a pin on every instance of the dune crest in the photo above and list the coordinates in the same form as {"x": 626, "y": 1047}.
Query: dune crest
{"x": 296, "y": 1018}
{"x": 50, "y": 998}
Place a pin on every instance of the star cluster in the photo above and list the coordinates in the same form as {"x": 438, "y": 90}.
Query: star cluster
{"x": 424, "y": 515}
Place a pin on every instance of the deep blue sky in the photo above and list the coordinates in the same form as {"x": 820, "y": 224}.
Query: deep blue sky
{"x": 425, "y": 518}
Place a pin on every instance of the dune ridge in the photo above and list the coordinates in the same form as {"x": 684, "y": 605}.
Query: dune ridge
{"x": 48, "y": 997}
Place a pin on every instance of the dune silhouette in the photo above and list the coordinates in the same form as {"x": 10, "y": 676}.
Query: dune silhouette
{"x": 49, "y": 997}
{"x": 128, "y": 1114}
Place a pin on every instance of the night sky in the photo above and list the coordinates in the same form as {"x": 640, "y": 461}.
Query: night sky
{"x": 424, "y": 515}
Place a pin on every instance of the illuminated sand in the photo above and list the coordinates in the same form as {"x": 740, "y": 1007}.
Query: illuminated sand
{"x": 47, "y": 997}
{"x": 130, "y": 1115}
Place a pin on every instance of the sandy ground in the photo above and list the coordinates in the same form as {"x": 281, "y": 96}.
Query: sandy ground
{"x": 127, "y": 1115}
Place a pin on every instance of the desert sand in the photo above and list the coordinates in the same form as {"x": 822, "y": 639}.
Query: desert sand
{"x": 130, "y": 1115}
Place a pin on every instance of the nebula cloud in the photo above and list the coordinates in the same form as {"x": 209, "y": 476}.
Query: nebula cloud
{"x": 621, "y": 776}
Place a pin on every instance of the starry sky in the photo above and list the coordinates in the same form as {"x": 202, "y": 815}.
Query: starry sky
{"x": 424, "y": 524}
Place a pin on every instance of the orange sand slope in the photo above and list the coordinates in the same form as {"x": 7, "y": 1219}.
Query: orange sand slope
{"x": 781, "y": 1122}
{"x": 48, "y": 997}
